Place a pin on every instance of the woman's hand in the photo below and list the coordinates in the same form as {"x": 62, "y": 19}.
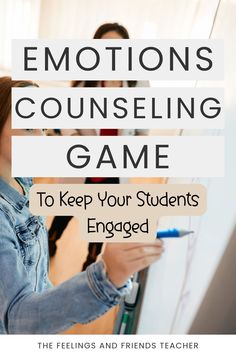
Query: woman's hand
{"x": 124, "y": 259}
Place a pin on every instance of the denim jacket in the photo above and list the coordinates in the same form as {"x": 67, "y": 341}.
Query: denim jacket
{"x": 28, "y": 302}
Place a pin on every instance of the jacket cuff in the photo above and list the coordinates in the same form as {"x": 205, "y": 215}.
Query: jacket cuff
{"x": 102, "y": 287}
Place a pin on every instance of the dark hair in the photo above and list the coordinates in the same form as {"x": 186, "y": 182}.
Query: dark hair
{"x": 109, "y": 27}
{"x": 6, "y": 84}
{"x": 103, "y": 29}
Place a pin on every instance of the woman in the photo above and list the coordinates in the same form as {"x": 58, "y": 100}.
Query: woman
{"x": 105, "y": 31}
{"x": 28, "y": 302}
{"x": 113, "y": 31}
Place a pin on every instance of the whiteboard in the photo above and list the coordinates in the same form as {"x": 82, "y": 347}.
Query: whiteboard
{"x": 177, "y": 283}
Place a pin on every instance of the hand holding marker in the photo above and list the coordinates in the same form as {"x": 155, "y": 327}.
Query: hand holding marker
{"x": 172, "y": 233}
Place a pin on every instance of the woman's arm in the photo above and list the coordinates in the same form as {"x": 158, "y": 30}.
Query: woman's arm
{"x": 80, "y": 299}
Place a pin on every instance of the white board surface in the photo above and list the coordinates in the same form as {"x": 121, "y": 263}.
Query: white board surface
{"x": 177, "y": 283}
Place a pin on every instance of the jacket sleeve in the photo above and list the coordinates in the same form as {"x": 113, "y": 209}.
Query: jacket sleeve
{"x": 79, "y": 299}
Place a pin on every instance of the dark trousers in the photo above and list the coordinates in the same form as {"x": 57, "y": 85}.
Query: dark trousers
{"x": 60, "y": 223}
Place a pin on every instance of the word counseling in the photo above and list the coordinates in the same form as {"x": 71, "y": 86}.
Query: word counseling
{"x": 82, "y": 107}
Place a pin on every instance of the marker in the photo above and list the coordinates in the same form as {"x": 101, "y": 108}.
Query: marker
{"x": 132, "y": 297}
{"x": 124, "y": 322}
{"x": 172, "y": 233}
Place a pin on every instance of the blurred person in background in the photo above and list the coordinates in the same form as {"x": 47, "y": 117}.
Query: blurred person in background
{"x": 105, "y": 31}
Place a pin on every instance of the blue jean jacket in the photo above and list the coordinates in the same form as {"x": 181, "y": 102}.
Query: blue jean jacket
{"x": 29, "y": 304}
